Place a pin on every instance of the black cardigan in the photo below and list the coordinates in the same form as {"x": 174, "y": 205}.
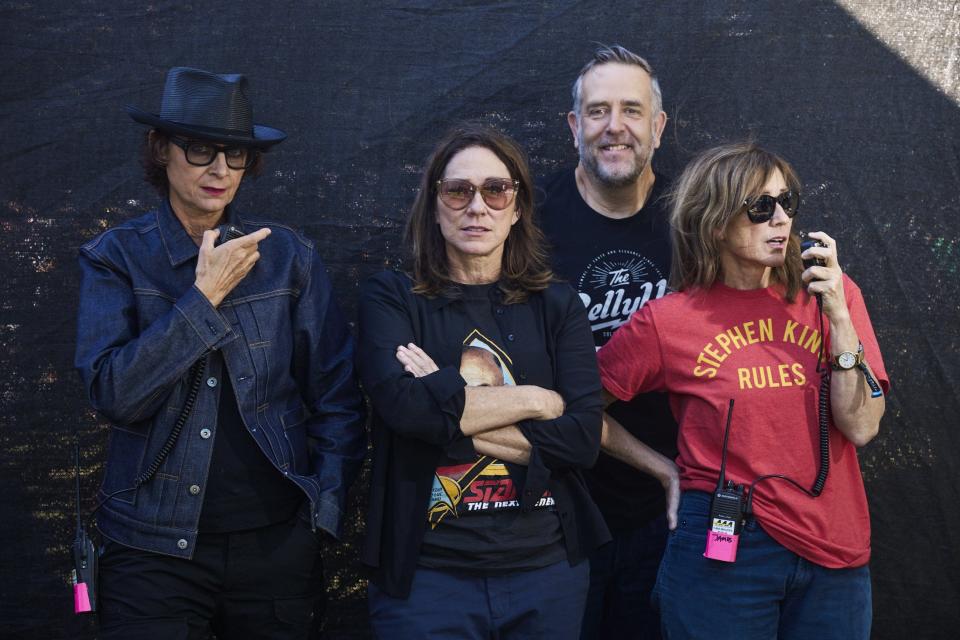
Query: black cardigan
{"x": 417, "y": 420}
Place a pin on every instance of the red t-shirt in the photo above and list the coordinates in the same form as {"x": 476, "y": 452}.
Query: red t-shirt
{"x": 707, "y": 346}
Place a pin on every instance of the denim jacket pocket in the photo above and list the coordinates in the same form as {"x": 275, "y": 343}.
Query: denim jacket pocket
{"x": 296, "y": 433}
{"x": 130, "y": 447}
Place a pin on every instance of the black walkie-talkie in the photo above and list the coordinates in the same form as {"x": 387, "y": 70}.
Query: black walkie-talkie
{"x": 726, "y": 509}
{"x": 811, "y": 262}
{"x": 84, "y": 575}
{"x": 228, "y": 232}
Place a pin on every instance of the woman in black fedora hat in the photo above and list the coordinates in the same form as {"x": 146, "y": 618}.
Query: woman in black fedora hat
{"x": 212, "y": 343}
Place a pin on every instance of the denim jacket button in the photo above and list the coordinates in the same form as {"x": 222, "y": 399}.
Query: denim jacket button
{"x": 211, "y": 382}
{"x": 205, "y": 433}
{"x": 510, "y": 338}
{"x": 194, "y": 489}
{"x": 181, "y": 544}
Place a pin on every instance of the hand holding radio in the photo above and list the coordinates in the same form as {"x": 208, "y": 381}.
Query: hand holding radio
{"x": 221, "y": 266}
{"x": 822, "y": 273}
{"x": 811, "y": 262}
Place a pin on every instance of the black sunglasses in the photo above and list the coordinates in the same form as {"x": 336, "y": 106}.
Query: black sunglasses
{"x": 762, "y": 208}
{"x": 202, "y": 154}
{"x": 457, "y": 193}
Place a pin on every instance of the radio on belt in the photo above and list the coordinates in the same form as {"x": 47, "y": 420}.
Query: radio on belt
{"x": 726, "y": 510}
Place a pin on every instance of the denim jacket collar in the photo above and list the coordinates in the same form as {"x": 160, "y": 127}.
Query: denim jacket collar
{"x": 178, "y": 243}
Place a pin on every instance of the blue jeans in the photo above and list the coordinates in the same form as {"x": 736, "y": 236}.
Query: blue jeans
{"x": 543, "y": 603}
{"x": 769, "y": 592}
{"x": 622, "y": 575}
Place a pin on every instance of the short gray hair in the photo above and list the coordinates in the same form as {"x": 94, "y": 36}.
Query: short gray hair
{"x": 606, "y": 54}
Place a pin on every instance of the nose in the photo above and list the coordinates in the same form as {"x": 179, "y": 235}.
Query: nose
{"x": 477, "y": 206}
{"x": 780, "y": 216}
{"x": 219, "y": 165}
{"x": 615, "y": 121}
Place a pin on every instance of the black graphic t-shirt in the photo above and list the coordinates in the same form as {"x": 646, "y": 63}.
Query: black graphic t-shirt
{"x": 473, "y": 517}
{"x": 616, "y": 266}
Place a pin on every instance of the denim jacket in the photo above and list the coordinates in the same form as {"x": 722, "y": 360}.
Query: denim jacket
{"x": 279, "y": 336}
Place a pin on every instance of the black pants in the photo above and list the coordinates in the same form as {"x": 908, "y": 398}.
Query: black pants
{"x": 264, "y": 583}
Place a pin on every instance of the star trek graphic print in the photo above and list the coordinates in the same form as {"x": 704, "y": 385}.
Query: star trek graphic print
{"x": 485, "y": 485}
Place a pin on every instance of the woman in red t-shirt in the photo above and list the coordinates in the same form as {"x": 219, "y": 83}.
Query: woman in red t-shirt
{"x": 745, "y": 330}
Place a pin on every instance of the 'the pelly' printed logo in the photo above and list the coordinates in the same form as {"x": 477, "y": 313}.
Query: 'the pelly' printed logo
{"x": 614, "y": 285}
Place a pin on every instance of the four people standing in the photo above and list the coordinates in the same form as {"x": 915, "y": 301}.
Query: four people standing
{"x": 213, "y": 344}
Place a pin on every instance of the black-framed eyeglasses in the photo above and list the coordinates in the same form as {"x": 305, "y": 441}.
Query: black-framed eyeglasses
{"x": 202, "y": 154}
{"x": 762, "y": 208}
{"x": 457, "y": 193}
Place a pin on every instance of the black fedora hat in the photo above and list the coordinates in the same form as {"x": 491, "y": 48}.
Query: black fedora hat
{"x": 209, "y": 106}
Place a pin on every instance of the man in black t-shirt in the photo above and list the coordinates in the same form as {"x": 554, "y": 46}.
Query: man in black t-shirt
{"x": 606, "y": 222}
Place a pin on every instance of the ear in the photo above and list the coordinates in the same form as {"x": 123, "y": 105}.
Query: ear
{"x": 159, "y": 155}
{"x": 516, "y": 217}
{"x": 659, "y": 123}
{"x": 574, "y": 128}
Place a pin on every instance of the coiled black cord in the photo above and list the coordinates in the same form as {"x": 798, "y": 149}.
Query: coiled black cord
{"x": 823, "y": 423}
{"x": 195, "y": 377}
{"x": 823, "y": 411}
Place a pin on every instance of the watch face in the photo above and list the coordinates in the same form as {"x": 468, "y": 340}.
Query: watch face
{"x": 847, "y": 360}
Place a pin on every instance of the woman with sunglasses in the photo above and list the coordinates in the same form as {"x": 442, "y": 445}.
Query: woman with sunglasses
{"x": 482, "y": 375}
{"x": 744, "y": 341}
{"x": 212, "y": 343}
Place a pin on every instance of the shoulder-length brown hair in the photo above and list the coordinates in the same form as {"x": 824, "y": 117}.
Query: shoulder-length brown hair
{"x": 524, "y": 269}
{"x": 709, "y": 193}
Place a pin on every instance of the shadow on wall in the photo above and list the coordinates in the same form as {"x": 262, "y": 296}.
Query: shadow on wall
{"x": 364, "y": 92}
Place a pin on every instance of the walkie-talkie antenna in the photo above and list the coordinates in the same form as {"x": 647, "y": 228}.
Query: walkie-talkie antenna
{"x": 723, "y": 455}
{"x": 84, "y": 554}
{"x": 76, "y": 458}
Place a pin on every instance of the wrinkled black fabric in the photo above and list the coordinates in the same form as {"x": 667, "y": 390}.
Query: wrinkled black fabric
{"x": 364, "y": 90}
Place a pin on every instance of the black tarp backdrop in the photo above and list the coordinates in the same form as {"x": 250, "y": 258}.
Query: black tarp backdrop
{"x": 364, "y": 90}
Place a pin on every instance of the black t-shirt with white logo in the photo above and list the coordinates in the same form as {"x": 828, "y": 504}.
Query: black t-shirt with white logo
{"x": 617, "y": 266}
